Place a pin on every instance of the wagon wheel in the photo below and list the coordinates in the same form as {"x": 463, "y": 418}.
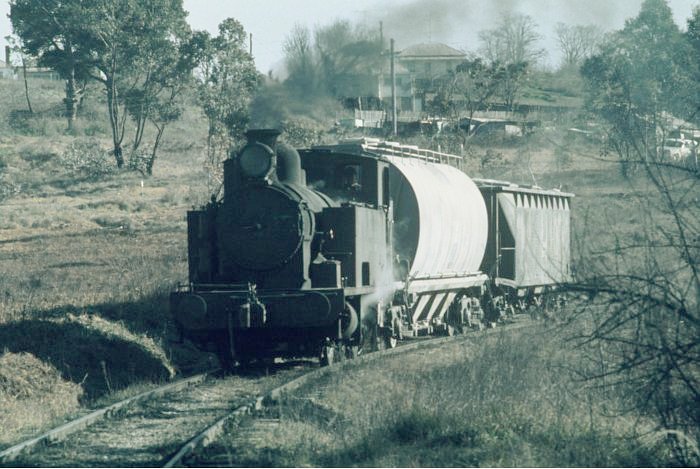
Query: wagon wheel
{"x": 352, "y": 351}
{"x": 383, "y": 339}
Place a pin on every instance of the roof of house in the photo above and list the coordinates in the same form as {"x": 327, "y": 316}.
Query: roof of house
{"x": 432, "y": 50}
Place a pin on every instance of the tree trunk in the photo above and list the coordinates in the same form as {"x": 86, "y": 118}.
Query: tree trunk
{"x": 114, "y": 122}
{"x": 152, "y": 159}
{"x": 71, "y": 100}
{"x": 26, "y": 86}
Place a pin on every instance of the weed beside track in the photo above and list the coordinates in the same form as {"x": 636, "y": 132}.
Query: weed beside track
{"x": 500, "y": 399}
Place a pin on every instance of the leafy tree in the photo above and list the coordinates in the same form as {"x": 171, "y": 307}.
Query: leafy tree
{"x": 118, "y": 43}
{"x": 468, "y": 88}
{"x": 645, "y": 305}
{"x": 126, "y": 39}
{"x": 513, "y": 76}
{"x": 161, "y": 98}
{"x": 692, "y": 35}
{"x": 641, "y": 75}
{"x": 227, "y": 80}
{"x": 52, "y": 31}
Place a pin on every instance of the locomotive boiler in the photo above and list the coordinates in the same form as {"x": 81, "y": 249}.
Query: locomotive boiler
{"x": 339, "y": 249}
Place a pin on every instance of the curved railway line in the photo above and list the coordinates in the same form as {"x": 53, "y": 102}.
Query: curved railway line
{"x": 188, "y": 455}
{"x": 156, "y": 427}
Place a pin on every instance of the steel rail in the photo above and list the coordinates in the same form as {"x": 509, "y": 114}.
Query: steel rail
{"x": 61, "y": 432}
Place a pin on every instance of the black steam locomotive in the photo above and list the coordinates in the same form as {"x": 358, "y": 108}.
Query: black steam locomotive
{"x": 333, "y": 250}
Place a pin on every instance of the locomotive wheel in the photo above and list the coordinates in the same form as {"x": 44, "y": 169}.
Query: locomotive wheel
{"x": 223, "y": 353}
{"x": 327, "y": 355}
{"x": 390, "y": 341}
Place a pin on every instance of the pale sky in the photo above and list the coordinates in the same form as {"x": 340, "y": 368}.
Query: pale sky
{"x": 453, "y": 22}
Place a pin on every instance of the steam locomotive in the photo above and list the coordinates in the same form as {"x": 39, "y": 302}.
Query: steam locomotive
{"x": 339, "y": 249}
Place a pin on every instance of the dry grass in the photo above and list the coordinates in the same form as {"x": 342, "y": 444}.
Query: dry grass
{"x": 501, "y": 401}
{"x": 32, "y": 394}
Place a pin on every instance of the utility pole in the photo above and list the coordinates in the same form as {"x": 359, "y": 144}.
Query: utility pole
{"x": 250, "y": 44}
{"x": 393, "y": 92}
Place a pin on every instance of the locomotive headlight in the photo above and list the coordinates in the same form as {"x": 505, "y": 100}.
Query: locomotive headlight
{"x": 257, "y": 160}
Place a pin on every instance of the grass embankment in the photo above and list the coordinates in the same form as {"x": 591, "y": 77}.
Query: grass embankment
{"x": 32, "y": 393}
{"x": 88, "y": 255}
{"x": 503, "y": 400}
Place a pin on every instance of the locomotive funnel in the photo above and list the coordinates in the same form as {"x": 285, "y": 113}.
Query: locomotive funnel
{"x": 289, "y": 165}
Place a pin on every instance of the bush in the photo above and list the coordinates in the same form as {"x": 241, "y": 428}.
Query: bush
{"x": 303, "y": 132}
{"x": 89, "y": 158}
{"x": 8, "y": 188}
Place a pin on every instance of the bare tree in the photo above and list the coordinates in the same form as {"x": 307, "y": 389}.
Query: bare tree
{"x": 644, "y": 288}
{"x": 577, "y": 42}
{"x": 299, "y": 60}
{"x": 514, "y": 40}
{"x": 512, "y": 46}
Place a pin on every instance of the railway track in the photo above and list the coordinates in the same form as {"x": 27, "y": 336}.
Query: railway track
{"x": 210, "y": 433}
{"x": 147, "y": 429}
{"x": 156, "y": 427}
{"x": 188, "y": 453}
{"x": 63, "y": 431}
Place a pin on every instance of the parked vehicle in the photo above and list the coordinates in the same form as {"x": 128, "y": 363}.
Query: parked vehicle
{"x": 677, "y": 149}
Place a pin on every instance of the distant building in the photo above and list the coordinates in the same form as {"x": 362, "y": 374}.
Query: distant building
{"x": 418, "y": 71}
{"x": 405, "y": 90}
{"x": 428, "y": 62}
{"x": 6, "y": 69}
